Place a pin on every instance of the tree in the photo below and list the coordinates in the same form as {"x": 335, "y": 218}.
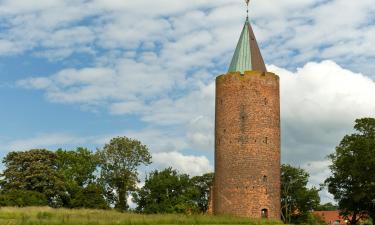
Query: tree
{"x": 352, "y": 182}
{"x": 34, "y": 170}
{"x": 203, "y": 184}
{"x": 120, "y": 160}
{"x": 167, "y": 191}
{"x": 89, "y": 197}
{"x": 78, "y": 168}
{"x": 296, "y": 199}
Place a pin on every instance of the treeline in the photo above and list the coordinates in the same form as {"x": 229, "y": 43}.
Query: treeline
{"x": 103, "y": 179}
{"x": 106, "y": 178}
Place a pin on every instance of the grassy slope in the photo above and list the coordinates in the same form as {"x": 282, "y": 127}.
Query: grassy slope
{"x": 48, "y": 216}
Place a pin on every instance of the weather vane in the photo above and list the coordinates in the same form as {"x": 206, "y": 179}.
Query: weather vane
{"x": 247, "y": 10}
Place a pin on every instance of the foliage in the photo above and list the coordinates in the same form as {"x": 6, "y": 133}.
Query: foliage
{"x": 296, "y": 199}
{"x": 119, "y": 162}
{"x": 91, "y": 197}
{"x": 203, "y": 184}
{"x": 48, "y": 216}
{"x": 313, "y": 220}
{"x": 166, "y": 191}
{"x": 353, "y": 178}
{"x": 367, "y": 221}
{"x": 78, "y": 168}
{"x": 327, "y": 207}
{"x": 34, "y": 170}
{"x": 22, "y": 198}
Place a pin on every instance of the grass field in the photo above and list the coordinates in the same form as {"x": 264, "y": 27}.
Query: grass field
{"x": 48, "y": 216}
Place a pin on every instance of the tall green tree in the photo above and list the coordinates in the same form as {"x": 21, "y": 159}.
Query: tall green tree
{"x": 120, "y": 159}
{"x": 34, "y": 170}
{"x": 78, "y": 168}
{"x": 296, "y": 198}
{"x": 167, "y": 191}
{"x": 203, "y": 184}
{"x": 352, "y": 182}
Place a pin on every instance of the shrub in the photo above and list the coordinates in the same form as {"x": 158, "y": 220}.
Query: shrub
{"x": 22, "y": 198}
{"x": 89, "y": 197}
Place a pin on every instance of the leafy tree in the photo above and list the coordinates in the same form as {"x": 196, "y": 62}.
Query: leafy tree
{"x": 22, "y": 198}
{"x": 166, "y": 191}
{"x": 91, "y": 196}
{"x": 203, "y": 184}
{"x": 120, "y": 160}
{"x": 34, "y": 170}
{"x": 77, "y": 167}
{"x": 352, "y": 182}
{"x": 296, "y": 199}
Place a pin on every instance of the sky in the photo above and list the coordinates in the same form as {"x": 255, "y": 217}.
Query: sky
{"x": 78, "y": 73}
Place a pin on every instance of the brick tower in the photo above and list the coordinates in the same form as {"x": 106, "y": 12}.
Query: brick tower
{"x": 247, "y": 135}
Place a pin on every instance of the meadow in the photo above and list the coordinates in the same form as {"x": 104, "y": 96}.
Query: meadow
{"x": 49, "y": 216}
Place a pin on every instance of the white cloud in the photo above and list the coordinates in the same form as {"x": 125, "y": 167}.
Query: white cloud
{"x": 59, "y": 28}
{"x": 192, "y": 165}
{"x": 319, "y": 105}
{"x": 41, "y": 141}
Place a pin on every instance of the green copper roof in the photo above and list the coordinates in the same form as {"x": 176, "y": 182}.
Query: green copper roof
{"x": 247, "y": 55}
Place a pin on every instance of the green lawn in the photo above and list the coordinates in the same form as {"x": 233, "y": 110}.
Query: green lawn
{"x": 48, "y": 216}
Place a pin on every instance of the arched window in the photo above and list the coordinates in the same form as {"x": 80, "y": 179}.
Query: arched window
{"x": 264, "y": 213}
{"x": 264, "y": 178}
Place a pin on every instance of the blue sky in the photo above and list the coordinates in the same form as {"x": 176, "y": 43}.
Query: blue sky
{"x": 76, "y": 73}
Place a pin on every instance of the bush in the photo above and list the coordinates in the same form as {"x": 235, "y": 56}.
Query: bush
{"x": 22, "y": 198}
{"x": 313, "y": 220}
{"x": 89, "y": 197}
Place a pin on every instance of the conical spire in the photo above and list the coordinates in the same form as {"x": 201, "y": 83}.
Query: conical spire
{"x": 247, "y": 55}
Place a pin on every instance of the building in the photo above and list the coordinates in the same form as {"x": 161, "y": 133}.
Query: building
{"x": 247, "y": 135}
{"x": 330, "y": 217}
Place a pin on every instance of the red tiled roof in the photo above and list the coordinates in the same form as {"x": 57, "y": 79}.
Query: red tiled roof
{"x": 330, "y": 217}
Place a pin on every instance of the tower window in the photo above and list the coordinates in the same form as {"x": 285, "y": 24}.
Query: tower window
{"x": 264, "y": 213}
{"x": 265, "y": 178}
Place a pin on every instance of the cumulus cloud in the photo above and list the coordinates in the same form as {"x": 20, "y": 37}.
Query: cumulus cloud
{"x": 192, "y": 165}
{"x": 320, "y": 102}
{"x": 59, "y": 28}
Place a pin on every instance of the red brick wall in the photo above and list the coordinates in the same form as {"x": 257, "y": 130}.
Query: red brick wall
{"x": 247, "y": 145}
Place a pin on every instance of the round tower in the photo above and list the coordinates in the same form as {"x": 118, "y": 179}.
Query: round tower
{"x": 247, "y": 136}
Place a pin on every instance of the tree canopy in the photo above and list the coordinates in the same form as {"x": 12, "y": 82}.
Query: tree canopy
{"x": 120, "y": 159}
{"x": 297, "y": 200}
{"x": 34, "y": 170}
{"x": 73, "y": 178}
{"x": 168, "y": 191}
{"x": 352, "y": 182}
